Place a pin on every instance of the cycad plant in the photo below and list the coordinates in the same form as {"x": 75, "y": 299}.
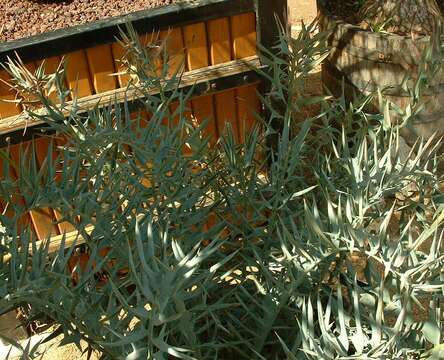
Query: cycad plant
{"x": 325, "y": 245}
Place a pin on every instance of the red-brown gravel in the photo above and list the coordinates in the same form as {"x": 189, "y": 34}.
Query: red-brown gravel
{"x": 23, "y": 18}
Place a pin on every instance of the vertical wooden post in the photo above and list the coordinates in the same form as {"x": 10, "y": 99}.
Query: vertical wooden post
{"x": 270, "y": 15}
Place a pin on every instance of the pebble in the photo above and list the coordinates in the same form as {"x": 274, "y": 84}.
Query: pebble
{"x": 19, "y": 17}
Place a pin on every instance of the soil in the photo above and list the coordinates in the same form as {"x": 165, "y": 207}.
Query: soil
{"x": 23, "y": 18}
{"x": 346, "y": 10}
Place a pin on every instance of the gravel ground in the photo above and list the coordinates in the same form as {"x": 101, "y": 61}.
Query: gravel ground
{"x": 23, "y": 18}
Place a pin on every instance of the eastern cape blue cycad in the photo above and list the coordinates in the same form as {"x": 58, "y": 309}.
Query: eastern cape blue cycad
{"x": 323, "y": 244}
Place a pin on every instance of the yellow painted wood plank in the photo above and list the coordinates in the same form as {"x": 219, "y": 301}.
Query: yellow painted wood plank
{"x": 118, "y": 54}
{"x": 186, "y": 115}
{"x": 51, "y": 65}
{"x": 243, "y": 31}
{"x": 101, "y": 67}
{"x": 139, "y": 119}
{"x": 77, "y": 74}
{"x": 64, "y": 226}
{"x": 248, "y": 105}
{"x": 219, "y": 40}
{"x": 195, "y": 37}
{"x": 7, "y": 94}
{"x": 28, "y": 100}
{"x": 41, "y": 147}
{"x": 226, "y": 112}
{"x": 175, "y": 49}
{"x": 151, "y": 42}
{"x": 31, "y": 67}
{"x": 40, "y": 219}
{"x": 196, "y": 45}
{"x": 203, "y": 110}
{"x": 5, "y": 206}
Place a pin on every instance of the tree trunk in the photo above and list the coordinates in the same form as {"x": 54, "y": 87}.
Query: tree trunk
{"x": 404, "y": 17}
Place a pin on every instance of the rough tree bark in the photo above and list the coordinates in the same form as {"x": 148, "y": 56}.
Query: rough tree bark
{"x": 404, "y": 17}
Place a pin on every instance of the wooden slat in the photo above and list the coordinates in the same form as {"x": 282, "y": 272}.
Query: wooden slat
{"x": 187, "y": 114}
{"x": 140, "y": 119}
{"x": 15, "y": 198}
{"x": 50, "y": 66}
{"x": 41, "y": 146}
{"x": 151, "y": 42}
{"x": 118, "y": 53}
{"x": 175, "y": 118}
{"x": 226, "y": 112}
{"x": 5, "y": 206}
{"x": 42, "y": 218}
{"x": 13, "y": 154}
{"x": 243, "y": 30}
{"x": 29, "y": 102}
{"x": 31, "y": 67}
{"x": 195, "y": 38}
{"x": 45, "y": 217}
{"x": 248, "y": 105}
{"x": 101, "y": 68}
{"x": 63, "y": 226}
{"x": 61, "y": 142}
{"x": 203, "y": 110}
{"x": 197, "y": 57}
{"x": 175, "y": 49}
{"x": 77, "y": 74}
{"x": 6, "y": 108}
{"x": 219, "y": 41}
{"x": 148, "y": 39}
